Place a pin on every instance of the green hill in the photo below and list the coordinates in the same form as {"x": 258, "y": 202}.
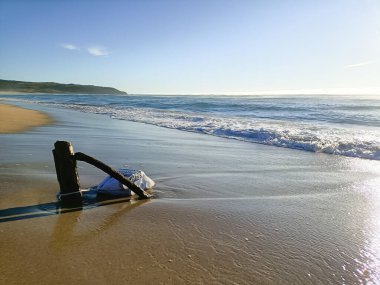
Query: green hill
{"x": 13, "y": 86}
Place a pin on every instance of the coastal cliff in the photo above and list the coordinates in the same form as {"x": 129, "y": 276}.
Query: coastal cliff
{"x": 13, "y": 86}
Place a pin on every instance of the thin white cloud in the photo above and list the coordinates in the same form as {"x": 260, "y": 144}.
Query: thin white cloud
{"x": 97, "y": 51}
{"x": 70, "y": 46}
{"x": 359, "y": 64}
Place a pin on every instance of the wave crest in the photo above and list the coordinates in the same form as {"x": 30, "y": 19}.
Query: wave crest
{"x": 302, "y": 136}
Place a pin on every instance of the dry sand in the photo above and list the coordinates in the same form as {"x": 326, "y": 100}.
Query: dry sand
{"x": 224, "y": 212}
{"x": 15, "y": 119}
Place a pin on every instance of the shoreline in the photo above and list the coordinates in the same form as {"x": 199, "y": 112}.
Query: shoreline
{"x": 14, "y": 119}
{"x": 224, "y": 212}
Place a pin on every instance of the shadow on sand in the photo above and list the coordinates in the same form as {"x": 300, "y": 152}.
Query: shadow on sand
{"x": 90, "y": 201}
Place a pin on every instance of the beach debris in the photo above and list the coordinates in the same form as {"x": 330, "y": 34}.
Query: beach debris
{"x": 66, "y": 167}
{"x": 67, "y": 175}
{"x": 113, "y": 187}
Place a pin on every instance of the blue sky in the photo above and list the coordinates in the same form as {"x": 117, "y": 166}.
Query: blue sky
{"x": 195, "y": 47}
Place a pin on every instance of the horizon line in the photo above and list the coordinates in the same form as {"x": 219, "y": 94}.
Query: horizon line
{"x": 331, "y": 91}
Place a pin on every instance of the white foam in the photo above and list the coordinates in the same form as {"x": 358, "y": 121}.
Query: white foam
{"x": 315, "y": 136}
{"x": 303, "y": 136}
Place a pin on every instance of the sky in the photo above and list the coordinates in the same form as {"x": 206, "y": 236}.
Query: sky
{"x": 195, "y": 47}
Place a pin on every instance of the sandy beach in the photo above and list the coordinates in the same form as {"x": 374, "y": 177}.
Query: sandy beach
{"x": 14, "y": 119}
{"x": 224, "y": 212}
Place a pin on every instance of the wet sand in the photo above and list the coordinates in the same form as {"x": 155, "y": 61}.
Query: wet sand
{"x": 224, "y": 212}
{"x": 14, "y": 119}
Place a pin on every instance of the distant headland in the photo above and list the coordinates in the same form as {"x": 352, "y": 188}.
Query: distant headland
{"x": 13, "y": 86}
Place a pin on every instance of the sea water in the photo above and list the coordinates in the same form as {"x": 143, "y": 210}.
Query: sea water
{"x": 340, "y": 125}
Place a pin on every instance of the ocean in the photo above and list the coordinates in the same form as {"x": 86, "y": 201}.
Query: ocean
{"x": 229, "y": 210}
{"x": 338, "y": 125}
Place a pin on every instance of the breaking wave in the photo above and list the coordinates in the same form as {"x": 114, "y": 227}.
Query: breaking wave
{"x": 303, "y": 136}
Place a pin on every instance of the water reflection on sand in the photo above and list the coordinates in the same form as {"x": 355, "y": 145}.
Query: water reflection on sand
{"x": 225, "y": 212}
{"x": 369, "y": 270}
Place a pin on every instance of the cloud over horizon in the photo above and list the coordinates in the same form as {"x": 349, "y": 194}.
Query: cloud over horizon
{"x": 92, "y": 50}
{"x": 70, "y": 47}
{"x": 97, "y": 51}
{"x": 359, "y": 64}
